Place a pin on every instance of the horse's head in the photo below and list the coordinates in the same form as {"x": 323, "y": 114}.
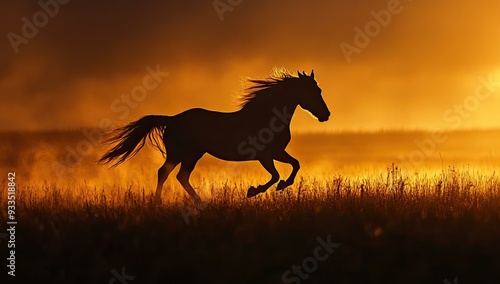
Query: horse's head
{"x": 309, "y": 97}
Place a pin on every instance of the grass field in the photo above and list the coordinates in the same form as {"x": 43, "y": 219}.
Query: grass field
{"x": 389, "y": 218}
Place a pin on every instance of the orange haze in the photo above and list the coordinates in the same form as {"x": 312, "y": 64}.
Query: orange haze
{"x": 381, "y": 64}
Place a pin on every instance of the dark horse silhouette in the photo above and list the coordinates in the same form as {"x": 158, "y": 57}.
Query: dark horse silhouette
{"x": 260, "y": 130}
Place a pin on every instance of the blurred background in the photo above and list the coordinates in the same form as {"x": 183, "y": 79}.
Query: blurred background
{"x": 414, "y": 68}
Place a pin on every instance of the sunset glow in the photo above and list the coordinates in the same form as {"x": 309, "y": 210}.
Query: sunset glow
{"x": 426, "y": 59}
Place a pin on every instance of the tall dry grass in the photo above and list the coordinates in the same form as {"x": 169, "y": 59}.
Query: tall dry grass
{"x": 396, "y": 222}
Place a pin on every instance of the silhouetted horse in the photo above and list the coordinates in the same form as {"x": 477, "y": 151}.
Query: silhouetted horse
{"x": 260, "y": 130}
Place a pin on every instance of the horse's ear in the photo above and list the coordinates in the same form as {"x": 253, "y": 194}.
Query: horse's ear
{"x": 300, "y": 75}
{"x": 312, "y": 74}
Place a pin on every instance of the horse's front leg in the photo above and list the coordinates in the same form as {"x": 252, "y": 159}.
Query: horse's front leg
{"x": 286, "y": 158}
{"x": 268, "y": 164}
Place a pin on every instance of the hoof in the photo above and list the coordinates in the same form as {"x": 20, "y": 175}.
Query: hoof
{"x": 252, "y": 191}
{"x": 281, "y": 185}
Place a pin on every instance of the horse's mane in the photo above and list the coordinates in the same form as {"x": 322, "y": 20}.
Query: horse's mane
{"x": 259, "y": 88}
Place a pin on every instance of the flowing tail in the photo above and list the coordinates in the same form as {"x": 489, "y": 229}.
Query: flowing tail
{"x": 130, "y": 138}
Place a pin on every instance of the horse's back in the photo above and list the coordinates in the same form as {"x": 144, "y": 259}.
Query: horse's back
{"x": 204, "y": 125}
{"x": 199, "y": 117}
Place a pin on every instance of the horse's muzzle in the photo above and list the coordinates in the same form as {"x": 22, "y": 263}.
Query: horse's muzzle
{"x": 324, "y": 118}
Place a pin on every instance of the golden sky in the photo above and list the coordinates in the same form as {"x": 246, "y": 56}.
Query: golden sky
{"x": 421, "y": 68}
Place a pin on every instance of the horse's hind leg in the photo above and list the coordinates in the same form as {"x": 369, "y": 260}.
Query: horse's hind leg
{"x": 163, "y": 173}
{"x": 187, "y": 167}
